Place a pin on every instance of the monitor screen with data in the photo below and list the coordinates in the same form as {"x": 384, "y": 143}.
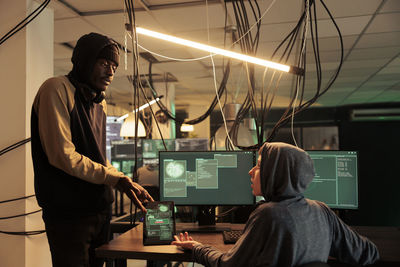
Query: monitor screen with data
{"x": 191, "y": 144}
{"x": 125, "y": 149}
{"x": 336, "y": 178}
{"x": 151, "y": 147}
{"x": 206, "y": 178}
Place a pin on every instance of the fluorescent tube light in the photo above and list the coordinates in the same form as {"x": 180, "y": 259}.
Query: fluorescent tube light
{"x": 214, "y": 50}
{"x": 139, "y": 108}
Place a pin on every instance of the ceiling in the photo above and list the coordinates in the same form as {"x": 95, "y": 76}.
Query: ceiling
{"x": 370, "y": 29}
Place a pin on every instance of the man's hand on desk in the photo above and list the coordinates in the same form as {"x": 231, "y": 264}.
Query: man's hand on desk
{"x": 184, "y": 241}
{"x": 134, "y": 191}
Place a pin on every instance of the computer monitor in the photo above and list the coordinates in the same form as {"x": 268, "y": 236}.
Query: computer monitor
{"x": 151, "y": 147}
{"x": 206, "y": 177}
{"x": 191, "y": 144}
{"x": 125, "y": 149}
{"x": 126, "y": 165}
{"x": 113, "y": 129}
{"x": 336, "y": 178}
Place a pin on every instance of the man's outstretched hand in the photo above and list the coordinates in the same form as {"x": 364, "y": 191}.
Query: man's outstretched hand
{"x": 184, "y": 241}
{"x": 134, "y": 191}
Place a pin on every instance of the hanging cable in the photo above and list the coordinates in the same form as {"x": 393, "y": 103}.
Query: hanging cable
{"x": 298, "y": 78}
{"x": 15, "y": 199}
{"x": 199, "y": 119}
{"x": 215, "y": 79}
{"x": 130, "y": 27}
{"x": 249, "y": 33}
{"x": 20, "y": 215}
{"x": 248, "y": 43}
{"x": 315, "y": 44}
{"x": 24, "y": 22}
{"x": 14, "y": 146}
{"x": 27, "y": 233}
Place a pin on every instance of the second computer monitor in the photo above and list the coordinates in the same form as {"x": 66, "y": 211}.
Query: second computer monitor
{"x": 336, "y": 178}
{"x": 206, "y": 178}
{"x": 151, "y": 147}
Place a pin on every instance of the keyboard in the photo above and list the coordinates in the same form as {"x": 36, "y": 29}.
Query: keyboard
{"x": 230, "y": 237}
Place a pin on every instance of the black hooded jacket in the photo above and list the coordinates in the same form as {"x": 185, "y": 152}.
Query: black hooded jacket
{"x": 288, "y": 229}
{"x": 72, "y": 175}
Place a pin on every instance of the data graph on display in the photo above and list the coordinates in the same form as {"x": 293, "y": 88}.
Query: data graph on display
{"x": 206, "y": 178}
{"x": 336, "y": 178}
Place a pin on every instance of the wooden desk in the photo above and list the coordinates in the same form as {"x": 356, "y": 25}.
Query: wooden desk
{"x": 130, "y": 245}
{"x": 387, "y": 239}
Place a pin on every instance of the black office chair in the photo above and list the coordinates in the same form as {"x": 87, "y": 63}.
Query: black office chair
{"x": 315, "y": 264}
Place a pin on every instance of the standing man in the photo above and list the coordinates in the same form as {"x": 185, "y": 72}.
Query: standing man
{"x": 73, "y": 178}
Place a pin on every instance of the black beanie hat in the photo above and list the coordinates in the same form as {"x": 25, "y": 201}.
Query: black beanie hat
{"x": 110, "y": 52}
{"x": 86, "y": 51}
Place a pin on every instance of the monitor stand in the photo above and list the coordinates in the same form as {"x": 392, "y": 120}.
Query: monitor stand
{"x": 206, "y": 221}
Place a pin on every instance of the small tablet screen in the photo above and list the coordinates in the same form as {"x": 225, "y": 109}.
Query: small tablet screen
{"x": 159, "y": 223}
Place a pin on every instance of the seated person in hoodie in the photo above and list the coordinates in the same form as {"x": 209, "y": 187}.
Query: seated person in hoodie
{"x": 287, "y": 229}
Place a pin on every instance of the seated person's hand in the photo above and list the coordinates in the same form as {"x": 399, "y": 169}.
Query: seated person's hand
{"x": 184, "y": 241}
{"x": 134, "y": 191}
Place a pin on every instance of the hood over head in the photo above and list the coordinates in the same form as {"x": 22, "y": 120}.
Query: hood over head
{"x": 88, "y": 49}
{"x": 285, "y": 171}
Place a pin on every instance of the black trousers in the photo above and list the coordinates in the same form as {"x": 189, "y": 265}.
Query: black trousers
{"x": 73, "y": 241}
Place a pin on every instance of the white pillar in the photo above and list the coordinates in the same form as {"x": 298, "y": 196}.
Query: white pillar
{"x": 26, "y": 60}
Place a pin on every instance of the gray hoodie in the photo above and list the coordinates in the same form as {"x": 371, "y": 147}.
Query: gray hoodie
{"x": 288, "y": 229}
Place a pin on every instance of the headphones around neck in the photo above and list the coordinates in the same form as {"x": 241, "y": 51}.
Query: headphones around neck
{"x": 98, "y": 97}
{"x": 87, "y": 92}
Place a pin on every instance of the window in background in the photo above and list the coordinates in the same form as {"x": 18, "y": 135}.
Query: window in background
{"x": 321, "y": 138}
{"x": 309, "y": 138}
